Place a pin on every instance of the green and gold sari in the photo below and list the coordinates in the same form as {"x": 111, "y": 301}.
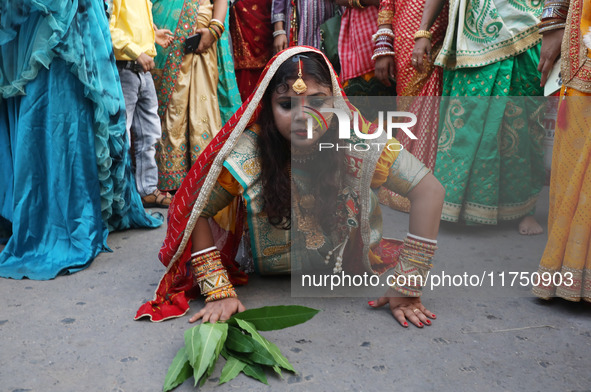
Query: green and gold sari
{"x": 489, "y": 156}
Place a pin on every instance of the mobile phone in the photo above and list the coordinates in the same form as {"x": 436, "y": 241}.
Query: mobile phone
{"x": 192, "y": 43}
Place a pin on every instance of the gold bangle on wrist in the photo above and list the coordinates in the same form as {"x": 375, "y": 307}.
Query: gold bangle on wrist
{"x": 218, "y": 25}
{"x": 385, "y": 17}
{"x": 214, "y": 32}
{"x": 423, "y": 34}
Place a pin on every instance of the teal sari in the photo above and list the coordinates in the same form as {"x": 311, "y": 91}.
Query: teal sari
{"x": 66, "y": 177}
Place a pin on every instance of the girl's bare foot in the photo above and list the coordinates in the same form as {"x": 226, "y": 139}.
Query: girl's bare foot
{"x": 530, "y": 226}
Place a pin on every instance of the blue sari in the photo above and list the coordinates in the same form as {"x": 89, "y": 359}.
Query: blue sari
{"x": 65, "y": 170}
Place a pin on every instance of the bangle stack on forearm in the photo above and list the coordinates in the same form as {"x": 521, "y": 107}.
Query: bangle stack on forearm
{"x": 216, "y": 28}
{"x": 384, "y": 43}
{"x": 211, "y": 275}
{"x": 413, "y": 265}
{"x": 553, "y": 15}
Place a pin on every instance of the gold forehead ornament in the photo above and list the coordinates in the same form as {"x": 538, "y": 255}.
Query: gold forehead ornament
{"x": 299, "y": 86}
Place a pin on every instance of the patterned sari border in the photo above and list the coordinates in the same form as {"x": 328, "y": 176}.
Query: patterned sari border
{"x": 579, "y": 289}
{"x": 576, "y": 65}
{"x": 492, "y": 54}
{"x": 165, "y": 79}
{"x": 488, "y": 215}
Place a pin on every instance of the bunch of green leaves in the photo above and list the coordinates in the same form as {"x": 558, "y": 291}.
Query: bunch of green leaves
{"x": 238, "y": 340}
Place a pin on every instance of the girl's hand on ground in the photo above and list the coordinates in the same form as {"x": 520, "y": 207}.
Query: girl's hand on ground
{"x": 405, "y": 308}
{"x": 221, "y": 310}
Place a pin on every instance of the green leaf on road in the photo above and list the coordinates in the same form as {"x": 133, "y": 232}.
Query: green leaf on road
{"x": 256, "y": 372}
{"x": 231, "y": 369}
{"x": 192, "y": 344}
{"x": 270, "y": 347}
{"x": 241, "y": 356}
{"x": 179, "y": 370}
{"x": 204, "y": 355}
{"x": 269, "y": 318}
{"x": 216, "y": 355}
{"x": 261, "y": 355}
{"x": 239, "y": 342}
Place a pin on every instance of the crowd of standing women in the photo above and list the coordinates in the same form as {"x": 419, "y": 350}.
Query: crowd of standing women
{"x": 66, "y": 176}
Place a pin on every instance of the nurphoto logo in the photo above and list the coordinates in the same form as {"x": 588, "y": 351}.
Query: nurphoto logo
{"x": 393, "y": 121}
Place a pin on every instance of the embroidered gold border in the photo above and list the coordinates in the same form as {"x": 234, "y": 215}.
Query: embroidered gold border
{"x": 575, "y": 66}
{"x": 581, "y": 289}
{"x": 501, "y": 51}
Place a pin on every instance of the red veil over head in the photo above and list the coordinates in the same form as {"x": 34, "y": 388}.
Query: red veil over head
{"x": 174, "y": 290}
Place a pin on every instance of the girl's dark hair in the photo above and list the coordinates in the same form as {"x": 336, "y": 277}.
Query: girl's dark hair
{"x": 275, "y": 152}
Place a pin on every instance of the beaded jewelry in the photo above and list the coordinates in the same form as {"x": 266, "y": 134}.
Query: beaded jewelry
{"x": 211, "y": 276}
{"x": 384, "y": 39}
{"x": 415, "y": 261}
{"x": 551, "y": 25}
{"x": 380, "y": 32}
{"x": 553, "y": 15}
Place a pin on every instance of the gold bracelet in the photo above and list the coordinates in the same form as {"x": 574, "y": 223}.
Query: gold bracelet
{"x": 423, "y": 34}
{"x": 355, "y": 4}
{"x": 385, "y": 17}
{"x": 221, "y": 294}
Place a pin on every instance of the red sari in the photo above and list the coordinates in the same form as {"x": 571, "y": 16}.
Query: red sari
{"x": 405, "y": 18}
{"x": 252, "y": 39}
{"x": 175, "y": 289}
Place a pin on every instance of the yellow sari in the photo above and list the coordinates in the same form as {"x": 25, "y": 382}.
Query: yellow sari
{"x": 567, "y": 256}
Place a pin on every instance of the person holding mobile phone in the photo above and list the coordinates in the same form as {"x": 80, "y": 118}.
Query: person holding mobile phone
{"x": 195, "y": 83}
